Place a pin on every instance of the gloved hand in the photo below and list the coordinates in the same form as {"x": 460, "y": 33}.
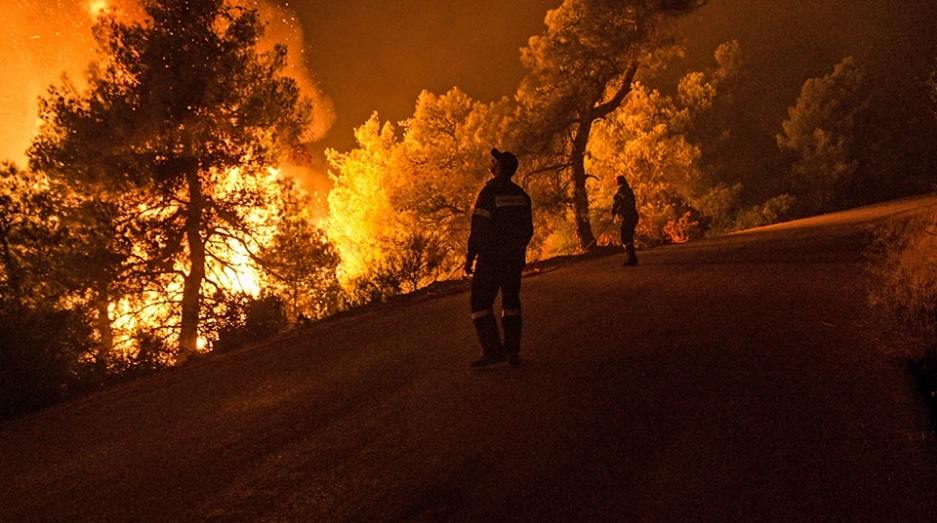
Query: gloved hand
{"x": 469, "y": 266}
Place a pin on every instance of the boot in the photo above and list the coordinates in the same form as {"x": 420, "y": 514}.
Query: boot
{"x": 490, "y": 339}
{"x": 632, "y": 258}
{"x": 511, "y": 324}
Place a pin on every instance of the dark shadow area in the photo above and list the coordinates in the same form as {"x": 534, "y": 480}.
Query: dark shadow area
{"x": 923, "y": 372}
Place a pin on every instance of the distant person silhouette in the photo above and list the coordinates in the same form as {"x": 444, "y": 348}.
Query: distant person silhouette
{"x": 502, "y": 225}
{"x": 624, "y": 206}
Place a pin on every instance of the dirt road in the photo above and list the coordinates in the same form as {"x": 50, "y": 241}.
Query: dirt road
{"x": 737, "y": 378}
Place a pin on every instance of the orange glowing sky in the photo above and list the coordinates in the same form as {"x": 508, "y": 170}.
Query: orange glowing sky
{"x": 45, "y": 39}
{"x": 379, "y": 54}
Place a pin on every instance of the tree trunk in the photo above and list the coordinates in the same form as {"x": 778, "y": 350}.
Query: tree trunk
{"x": 578, "y": 156}
{"x": 102, "y": 305}
{"x": 192, "y": 289}
{"x": 580, "y": 195}
{"x": 10, "y": 265}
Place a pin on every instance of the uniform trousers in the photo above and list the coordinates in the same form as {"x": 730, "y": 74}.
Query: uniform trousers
{"x": 628, "y": 224}
{"x": 498, "y": 271}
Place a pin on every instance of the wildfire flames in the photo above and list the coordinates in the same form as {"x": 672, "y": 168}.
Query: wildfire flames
{"x": 235, "y": 269}
{"x": 97, "y": 7}
{"x": 53, "y": 39}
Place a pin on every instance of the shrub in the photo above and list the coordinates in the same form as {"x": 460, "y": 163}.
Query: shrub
{"x": 248, "y": 319}
{"x": 907, "y": 271}
{"x": 775, "y": 209}
{"x": 40, "y": 356}
{"x": 378, "y": 287}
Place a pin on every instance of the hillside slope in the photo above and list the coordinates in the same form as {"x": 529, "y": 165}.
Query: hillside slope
{"x": 734, "y": 377}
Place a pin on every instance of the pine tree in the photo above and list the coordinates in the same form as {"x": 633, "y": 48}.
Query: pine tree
{"x": 581, "y": 68}
{"x": 179, "y": 104}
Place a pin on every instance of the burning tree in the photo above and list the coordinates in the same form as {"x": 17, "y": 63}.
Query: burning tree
{"x": 300, "y": 260}
{"x": 26, "y": 233}
{"x": 443, "y": 161}
{"x": 360, "y": 211}
{"x": 185, "y": 108}
{"x": 581, "y": 69}
{"x": 400, "y": 208}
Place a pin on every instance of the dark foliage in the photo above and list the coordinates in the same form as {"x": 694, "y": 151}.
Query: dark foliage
{"x": 248, "y": 320}
{"x": 380, "y": 286}
{"x": 413, "y": 262}
{"x": 39, "y": 356}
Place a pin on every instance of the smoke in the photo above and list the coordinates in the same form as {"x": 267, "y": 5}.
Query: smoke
{"x": 284, "y": 28}
{"x": 788, "y": 41}
{"x": 46, "y": 39}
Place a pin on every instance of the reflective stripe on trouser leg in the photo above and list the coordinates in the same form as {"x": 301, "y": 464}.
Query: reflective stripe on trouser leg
{"x": 484, "y": 290}
{"x": 511, "y": 305}
{"x": 481, "y": 314}
{"x": 487, "y": 328}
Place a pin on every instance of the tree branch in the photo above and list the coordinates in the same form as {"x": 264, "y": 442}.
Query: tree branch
{"x": 603, "y": 109}
{"x": 556, "y": 167}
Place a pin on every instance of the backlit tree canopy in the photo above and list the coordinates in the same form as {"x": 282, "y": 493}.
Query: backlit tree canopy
{"x": 402, "y": 199}
{"x": 654, "y": 142}
{"x": 581, "y": 69}
{"x": 185, "y": 106}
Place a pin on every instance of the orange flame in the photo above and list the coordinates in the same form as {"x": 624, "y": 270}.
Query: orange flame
{"x": 50, "y": 39}
{"x": 45, "y": 40}
{"x": 97, "y": 7}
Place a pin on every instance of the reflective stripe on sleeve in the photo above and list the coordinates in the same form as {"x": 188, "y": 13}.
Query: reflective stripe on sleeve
{"x": 482, "y": 314}
{"x": 511, "y": 312}
{"x": 484, "y": 213}
{"x": 510, "y": 201}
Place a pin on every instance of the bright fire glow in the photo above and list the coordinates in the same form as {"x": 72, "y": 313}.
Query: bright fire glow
{"x": 360, "y": 209}
{"x": 45, "y": 40}
{"x": 231, "y": 268}
{"x": 97, "y": 7}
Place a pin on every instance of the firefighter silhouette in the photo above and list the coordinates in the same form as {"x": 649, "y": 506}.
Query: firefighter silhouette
{"x": 502, "y": 225}
{"x": 624, "y": 206}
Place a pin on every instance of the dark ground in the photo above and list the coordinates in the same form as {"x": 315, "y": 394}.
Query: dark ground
{"x": 737, "y": 378}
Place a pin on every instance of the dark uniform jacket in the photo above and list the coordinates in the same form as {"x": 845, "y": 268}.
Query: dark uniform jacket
{"x": 502, "y": 222}
{"x": 624, "y": 203}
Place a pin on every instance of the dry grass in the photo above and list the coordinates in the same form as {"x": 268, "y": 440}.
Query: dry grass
{"x": 905, "y": 274}
{"x": 905, "y": 269}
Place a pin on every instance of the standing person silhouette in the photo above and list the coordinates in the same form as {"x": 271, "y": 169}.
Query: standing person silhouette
{"x": 624, "y": 205}
{"x": 502, "y": 225}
